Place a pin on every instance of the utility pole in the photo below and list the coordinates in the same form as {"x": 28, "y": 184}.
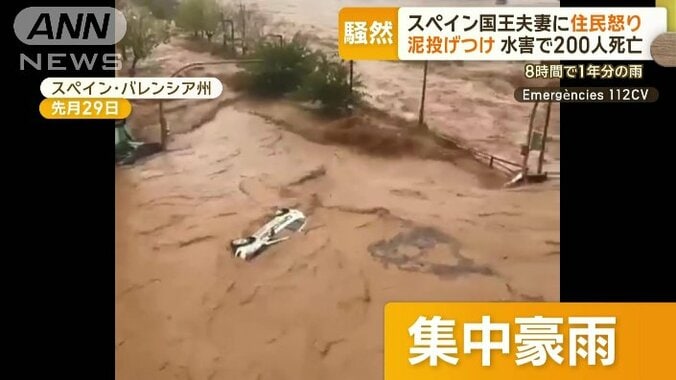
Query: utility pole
{"x": 228, "y": 23}
{"x": 242, "y": 11}
{"x": 164, "y": 130}
{"x": 225, "y": 33}
{"x": 525, "y": 149}
{"x": 351, "y": 73}
{"x": 544, "y": 138}
{"x": 422, "y": 98}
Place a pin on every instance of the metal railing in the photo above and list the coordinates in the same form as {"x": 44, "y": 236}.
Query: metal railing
{"x": 493, "y": 161}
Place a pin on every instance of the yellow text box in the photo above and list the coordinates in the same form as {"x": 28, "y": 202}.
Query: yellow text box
{"x": 368, "y": 33}
{"x": 71, "y": 108}
{"x": 671, "y": 13}
{"x": 643, "y": 347}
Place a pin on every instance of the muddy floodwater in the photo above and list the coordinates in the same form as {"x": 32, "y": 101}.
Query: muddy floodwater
{"x": 380, "y": 229}
{"x": 472, "y": 101}
{"x": 390, "y": 218}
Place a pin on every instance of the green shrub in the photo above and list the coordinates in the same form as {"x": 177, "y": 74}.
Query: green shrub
{"x": 294, "y": 69}
{"x": 329, "y": 85}
{"x": 282, "y": 68}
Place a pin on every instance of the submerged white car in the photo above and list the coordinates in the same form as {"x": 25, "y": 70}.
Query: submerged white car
{"x": 285, "y": 223}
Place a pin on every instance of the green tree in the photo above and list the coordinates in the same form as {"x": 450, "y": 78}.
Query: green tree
{"x": 189, "y": 15}
{"x": 212, "y": 18}
{"x": 161, "y": 9}
{"x": 199, "y": 16}
{"x": 144, "y": 33}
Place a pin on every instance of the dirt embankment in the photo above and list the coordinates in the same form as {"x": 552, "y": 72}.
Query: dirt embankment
{"x": 369, "y": 130}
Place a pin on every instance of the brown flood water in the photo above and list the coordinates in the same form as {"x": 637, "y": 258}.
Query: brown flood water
{"x": 473, "y": 102}
{"x": 380, "y": 229}
{"x": 311, "y": 308}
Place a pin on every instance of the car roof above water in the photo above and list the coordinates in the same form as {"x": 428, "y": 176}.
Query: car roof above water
{"x": 279, "y": 221}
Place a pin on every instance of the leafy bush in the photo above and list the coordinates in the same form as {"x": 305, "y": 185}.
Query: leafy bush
{"x": 329, "y": 85}
{"x": 294, "y": 69}
{"x": 282, "y": 68}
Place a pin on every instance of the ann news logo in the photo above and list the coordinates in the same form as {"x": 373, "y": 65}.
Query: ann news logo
{"x": 69, "y": 26}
